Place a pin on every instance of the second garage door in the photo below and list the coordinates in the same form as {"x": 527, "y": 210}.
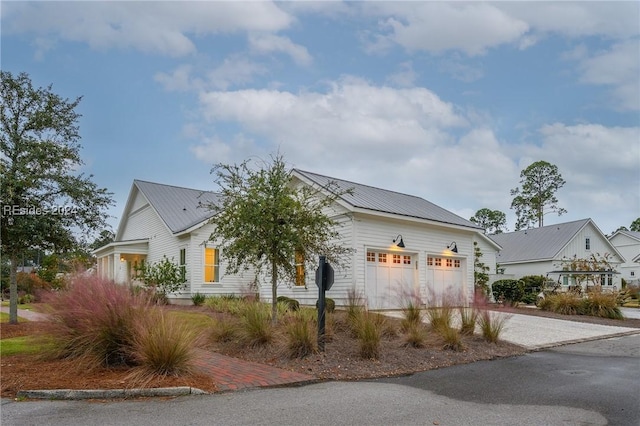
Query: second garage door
{"x": 444, "y": 280}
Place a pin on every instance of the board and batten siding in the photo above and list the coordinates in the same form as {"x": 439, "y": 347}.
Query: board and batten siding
{"x": 599, "y": 245}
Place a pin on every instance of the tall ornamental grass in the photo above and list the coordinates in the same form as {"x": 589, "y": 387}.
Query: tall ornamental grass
{"x": 163, "y": 345}
{"x": 94, "y": 321}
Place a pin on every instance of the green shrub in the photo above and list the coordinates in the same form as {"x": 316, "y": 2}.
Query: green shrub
{"x": 468, "y": 319}
{"x": 290, "y": 304}
{"x": 511, "y": 291}
{"x": 198, "y": 299}
{"x": 491, "y": 324}
{"x": 27, "y": 298}
{"x": 329, "y": 304}
{"x": 300, "y": 338}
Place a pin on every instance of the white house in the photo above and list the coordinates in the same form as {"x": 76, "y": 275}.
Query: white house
{"x": 547, "y": 250}
{"x": 628, "y": 244}
{"x": 435, "y": 257}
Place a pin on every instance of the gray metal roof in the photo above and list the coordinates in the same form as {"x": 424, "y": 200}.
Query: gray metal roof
{"x": 537, "y": 243}
{"x": 382, "y": 200}
{"x": 179, "y": 208}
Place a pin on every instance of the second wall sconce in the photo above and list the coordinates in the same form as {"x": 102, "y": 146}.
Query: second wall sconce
{"x": 399, "y": 240}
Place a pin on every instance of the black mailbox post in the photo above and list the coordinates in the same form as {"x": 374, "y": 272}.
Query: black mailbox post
{"x": 324, "y": 281}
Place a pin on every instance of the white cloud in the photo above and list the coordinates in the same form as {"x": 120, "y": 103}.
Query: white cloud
{"x": 405, "y": 76}
{"x": 474, "y": 27}
{"x": 154, "y": 27}
{"x": 269, "y": 43}
{"x": 350, "y": 117}
{"x": 440, "y": 26}
{"x": 618, "y": 67}
{"x": 235, "y": 70}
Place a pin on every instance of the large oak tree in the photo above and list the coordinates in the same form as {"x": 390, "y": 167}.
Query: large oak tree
{"x": 45, "y": 201}
{"x": 265, "y": 222}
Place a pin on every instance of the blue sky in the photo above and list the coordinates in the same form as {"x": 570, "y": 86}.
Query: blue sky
{"x": 444, "y": 100}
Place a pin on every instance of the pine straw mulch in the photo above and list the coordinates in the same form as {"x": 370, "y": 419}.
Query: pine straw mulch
{"x": 340, "y": 361}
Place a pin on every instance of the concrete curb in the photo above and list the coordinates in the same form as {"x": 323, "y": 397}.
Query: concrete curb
{"x": 581, "y": 340}
{"x": 73, "y": 394}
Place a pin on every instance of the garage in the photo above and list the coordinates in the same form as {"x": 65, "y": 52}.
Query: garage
{"x": 389, "y": 276}
{"x": 444, "y": 279}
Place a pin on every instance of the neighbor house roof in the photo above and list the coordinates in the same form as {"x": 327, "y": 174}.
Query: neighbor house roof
{"x": 631, "y": 234}
{"x": 385, "y": 201}
{"x": 179, "y": 208}
{"x": 536, "y": 244}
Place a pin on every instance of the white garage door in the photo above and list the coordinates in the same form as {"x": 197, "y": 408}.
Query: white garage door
{"x": 444, "y": 280}
{"x": 389, "y": 276}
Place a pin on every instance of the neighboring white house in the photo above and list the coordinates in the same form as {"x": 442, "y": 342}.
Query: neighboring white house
{"x": 628, "y": 244}
{"x": 547, "y": 250}
{"x": 436, "y": 256}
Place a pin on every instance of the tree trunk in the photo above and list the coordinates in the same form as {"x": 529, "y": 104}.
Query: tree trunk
{"x": 13, "y": 291}
{"x": 274, "y": 292}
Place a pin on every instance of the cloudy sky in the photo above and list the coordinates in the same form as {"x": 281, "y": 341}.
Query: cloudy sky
{"x": 449, "y": 101}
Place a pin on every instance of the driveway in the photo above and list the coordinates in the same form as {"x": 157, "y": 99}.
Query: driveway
{"x": 534, "y": 332}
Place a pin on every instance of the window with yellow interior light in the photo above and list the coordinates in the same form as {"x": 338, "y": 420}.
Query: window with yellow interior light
{"x": 300, "y": 270}
{"x": 211, "y": 265}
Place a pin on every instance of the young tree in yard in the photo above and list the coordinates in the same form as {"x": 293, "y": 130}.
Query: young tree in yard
{"x": 493, "y": 221}
{"x": 266, "y": 223}
{"x": 42, "y": 196}
{"x": 163, "y": 278}
{"x": 540, "y": 182}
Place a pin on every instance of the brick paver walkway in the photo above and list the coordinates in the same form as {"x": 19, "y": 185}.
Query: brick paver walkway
{"x": 230, "y": 374}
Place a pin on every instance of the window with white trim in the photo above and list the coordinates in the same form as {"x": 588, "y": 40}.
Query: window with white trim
{"x": 183, "y": 264}
{"x": 382, "y": 257}
{"x": 587, "y": 243}
{"x": 396, "y": 259}
{"x": 211, "y": 265}
{"x": 371, "y": 256}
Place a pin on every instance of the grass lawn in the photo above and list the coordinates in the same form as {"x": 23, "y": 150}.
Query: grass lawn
{"x": 24, "y": 345}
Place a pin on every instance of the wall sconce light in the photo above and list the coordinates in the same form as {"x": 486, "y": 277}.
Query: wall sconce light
{"x": 453, "y": 247}
{"x": 121, "y": 259}
{"x": 400, "y": 242}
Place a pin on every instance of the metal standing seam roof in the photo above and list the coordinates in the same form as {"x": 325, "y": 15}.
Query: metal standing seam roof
{"x": 179, "y": 208}
{"x": 632, "y": 234}
{"x": 382, "y": 200}
{"x": 537, "y": 243}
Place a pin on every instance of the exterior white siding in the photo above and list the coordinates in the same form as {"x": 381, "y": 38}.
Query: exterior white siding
{"x": 629, "y": 248}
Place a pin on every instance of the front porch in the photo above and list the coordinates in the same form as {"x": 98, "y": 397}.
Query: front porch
{"x": 118, "y": 261}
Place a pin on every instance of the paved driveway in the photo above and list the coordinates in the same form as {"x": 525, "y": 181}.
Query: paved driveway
{"x": 533, "y": 332}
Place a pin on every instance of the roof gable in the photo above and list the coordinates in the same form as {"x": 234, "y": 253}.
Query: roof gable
{"x": 179, "y": 208}
{"x": 629, "y": 235}
{"x": 537, "y": 243}
{"x": 386, "y": 201}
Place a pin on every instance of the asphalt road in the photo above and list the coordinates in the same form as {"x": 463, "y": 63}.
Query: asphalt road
{"x": 592, "y": 383}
